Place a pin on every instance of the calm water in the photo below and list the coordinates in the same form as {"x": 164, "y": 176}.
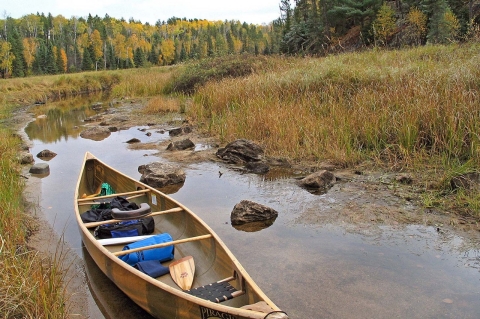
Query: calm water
{"x": 309, "y": 271}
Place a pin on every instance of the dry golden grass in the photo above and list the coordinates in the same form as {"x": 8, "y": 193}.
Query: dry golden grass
{"x": 354, "y": 106}
{"x": 162, "y": 104}
{"x": 30, "y": 286}
{"x": 142, "y": 82}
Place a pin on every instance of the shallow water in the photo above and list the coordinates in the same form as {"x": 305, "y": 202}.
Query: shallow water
{"x": 310, "y": 271}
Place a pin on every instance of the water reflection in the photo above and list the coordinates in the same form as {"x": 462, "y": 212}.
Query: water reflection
{"x": 255, "y": 226}
{"x": 62, "y": 119}
{"x": 112, "y": 302}
{"x": 311, "y": 270}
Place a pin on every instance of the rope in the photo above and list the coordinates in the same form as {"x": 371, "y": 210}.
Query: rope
{"x": 272, "y": 312}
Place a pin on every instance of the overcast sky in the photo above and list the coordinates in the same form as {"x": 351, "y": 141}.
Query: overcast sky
{"x": 250, "y": 11}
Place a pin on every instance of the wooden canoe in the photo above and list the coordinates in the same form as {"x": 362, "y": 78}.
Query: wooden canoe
{"x": 161, "y": 296}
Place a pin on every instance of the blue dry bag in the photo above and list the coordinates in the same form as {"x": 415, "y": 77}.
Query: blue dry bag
{"x": 160, "y": 254}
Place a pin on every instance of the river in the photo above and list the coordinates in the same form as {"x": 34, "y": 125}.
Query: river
{"x": 310, "y": 270}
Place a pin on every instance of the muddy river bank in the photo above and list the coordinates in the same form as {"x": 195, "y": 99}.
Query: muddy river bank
{"x": 364, "y": 249}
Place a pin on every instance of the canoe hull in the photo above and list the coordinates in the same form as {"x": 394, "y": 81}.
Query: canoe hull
{"x": 160, "y": 296}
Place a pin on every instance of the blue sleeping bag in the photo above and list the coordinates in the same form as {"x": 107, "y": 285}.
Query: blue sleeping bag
{"x": 159, "y": 254}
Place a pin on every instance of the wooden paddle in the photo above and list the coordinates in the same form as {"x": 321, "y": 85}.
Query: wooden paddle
{"x": 182, "y": 272}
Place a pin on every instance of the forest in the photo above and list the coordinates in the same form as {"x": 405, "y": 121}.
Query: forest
{"x": 38, "y": 44}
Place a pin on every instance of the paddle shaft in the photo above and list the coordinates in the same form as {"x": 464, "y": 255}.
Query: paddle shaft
{"x": 170, "y": 243}
{"x": 111, "y": 221}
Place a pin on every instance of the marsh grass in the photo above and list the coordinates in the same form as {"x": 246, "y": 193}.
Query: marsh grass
{"x": 30, "y": 286}
{"x": 142, "y": 82}
{"x": 394, "y": 105}
{"x": 404, "y": 109}
{"x": 162, "y": 104}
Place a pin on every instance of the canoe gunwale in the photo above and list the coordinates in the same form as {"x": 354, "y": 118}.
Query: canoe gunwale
{"x": 238, "y": 268}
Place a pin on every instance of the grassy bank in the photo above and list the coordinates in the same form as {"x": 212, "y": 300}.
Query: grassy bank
{"x": 31, "y": 286}
{"x": 412, "y": 109}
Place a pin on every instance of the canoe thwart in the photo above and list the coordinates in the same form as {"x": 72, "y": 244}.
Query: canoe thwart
{"x": 80, "y": 200}
{"x": 111, "y": 221}
{"x": 175, "y": 242}
{"x": 94, "y": 201}
{"x": 131, "y": 214}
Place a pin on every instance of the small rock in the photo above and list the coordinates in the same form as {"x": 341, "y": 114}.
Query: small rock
{"x": 319, "y": 180}
{"x": 25, "y": 158}
{"x": 247, "y": 211}
{"x": 180, "y": 145}
{"x": 46, "y": 154}
{"x": 133, "y": 140}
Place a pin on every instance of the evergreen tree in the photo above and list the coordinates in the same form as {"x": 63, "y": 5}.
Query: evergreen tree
{"x": 87, "y": 61}
{"x": 139, "y": 58}
{"x": 50, "y": 60}
{"x": 18, "y": 66}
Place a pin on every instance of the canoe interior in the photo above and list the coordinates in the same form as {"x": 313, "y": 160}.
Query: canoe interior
{"x": 212, "y": 262}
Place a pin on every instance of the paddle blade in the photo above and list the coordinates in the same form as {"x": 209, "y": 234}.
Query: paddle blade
{"x": 182, "y": 272}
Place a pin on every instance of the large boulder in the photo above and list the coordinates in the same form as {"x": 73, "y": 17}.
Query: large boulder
{"x": 247, "y": 211}
{"x": 319, "y": 180}
{"x": 241, "y": 151}
{"x": 96, "y": 133}
{"x": 159, "y": 174}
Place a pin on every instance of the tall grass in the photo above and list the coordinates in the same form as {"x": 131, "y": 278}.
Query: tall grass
{"x": 394, "y": 105}
{"x": 142, "y": 82}
{"x": 31, "y": 286}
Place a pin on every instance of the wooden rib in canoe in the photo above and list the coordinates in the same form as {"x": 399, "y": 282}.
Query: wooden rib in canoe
{"x": 161, "y": 297}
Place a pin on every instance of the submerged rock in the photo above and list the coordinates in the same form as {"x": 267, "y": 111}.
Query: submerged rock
{"x": 96, "y": 133}
{"x": 247, "y": 211}
{"x": 159, "y": 175}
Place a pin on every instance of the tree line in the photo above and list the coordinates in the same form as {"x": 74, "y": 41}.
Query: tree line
{"x": 325, "y": 26}
{"x": 38, "y": 44}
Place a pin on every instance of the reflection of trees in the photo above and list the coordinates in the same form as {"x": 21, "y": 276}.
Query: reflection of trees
{"x": 62, "y": 121}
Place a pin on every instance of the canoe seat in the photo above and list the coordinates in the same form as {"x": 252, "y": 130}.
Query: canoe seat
{"x": 216, "y": 292}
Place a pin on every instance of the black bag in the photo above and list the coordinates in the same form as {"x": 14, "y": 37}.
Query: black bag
{"x": 103, "y": 211}
{"x": 126, "y": 228}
